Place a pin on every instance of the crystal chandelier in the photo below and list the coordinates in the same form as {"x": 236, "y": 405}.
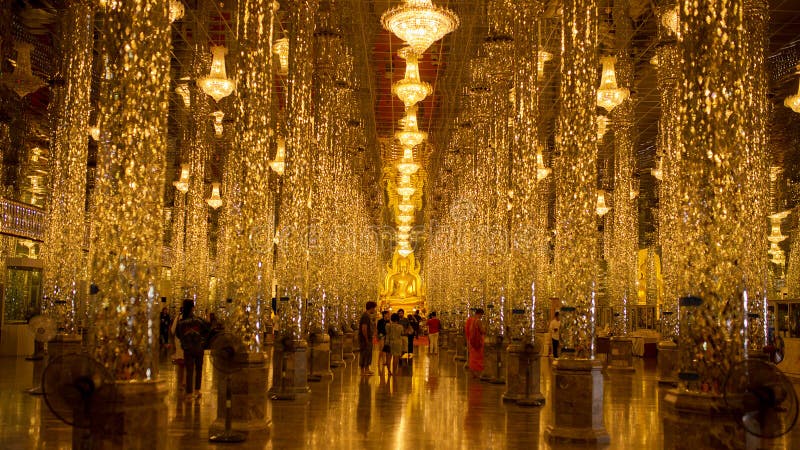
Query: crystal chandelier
{"x": 670, "y": 19}
{"x": 793, "y": 101}
{"x": 182, "y": 89}
{"x": 657, "y": 172}
{"x": 404, "y": 228}
{"x": 405, "y": 252}
{"x": 182, "y": 184}
{"x": 411, "y": 90}
{"x": 542, "y": 171}
{"x": 22, "y": 80}
{"x": 281, "y": 48}
{"x": 215, "y": 201}
{"x": 176, "y": 10}
{"x": 405, "y": 219}
{"x": 541, "y": 58}
{"x": 609, "y": 96}
{"x": 411, "y": 138}
{"x": 419, "y": 23}
{"x": 602, "y": 126}
{"x": 406, "y": 190}
{"x": 217, "y": 84}
{"x": 94, "y": 132}
{"x": 407, "y": 166}
{"x": 775, "y": 235}
{"x": 218, "y": 116}
{"x": 406, "y": 208}
{"x": 602, "y": 209}
{"x": 279, "y": 163}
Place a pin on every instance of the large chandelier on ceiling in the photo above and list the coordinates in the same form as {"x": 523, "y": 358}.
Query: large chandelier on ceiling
{"x": 22, "y": 80}
{"x": 793, "y": 101}
{"x": 609, "y": 96}
{"x": 217, "y": 84}
{"x": 411, "y": 90}
{"x": 419, "y": 23}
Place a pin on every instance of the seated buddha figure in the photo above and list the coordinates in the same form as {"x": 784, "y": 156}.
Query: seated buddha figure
{"x": 402, "y": 284}
{"x": 402, "y": 287}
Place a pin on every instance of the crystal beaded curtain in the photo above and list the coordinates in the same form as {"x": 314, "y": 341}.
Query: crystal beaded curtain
{"x": 625, "y": 239}
{"x": 251, "y": 223}
{"x": 296, "y": 201}
{"x": 63, "y": 256}
{"x": 576, "y": 184}
{"x": 126, "y": 247}
{"x": 711, "y": 96}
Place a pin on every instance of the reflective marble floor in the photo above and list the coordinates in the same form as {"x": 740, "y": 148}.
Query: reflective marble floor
{"x": 434, "y": 405}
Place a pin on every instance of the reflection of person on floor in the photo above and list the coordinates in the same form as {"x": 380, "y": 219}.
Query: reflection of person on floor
{"x": 554, "y": 328}
{"x": 474, "y": 333}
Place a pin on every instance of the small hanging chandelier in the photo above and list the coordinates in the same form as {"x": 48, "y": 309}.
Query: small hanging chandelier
{"x": 407, "y": 166}
{"x": 182, "y": 89}
{"x": 657, "y": 172}
{"x": 410, "y": 138}
{"x": 182, "y": 184}
{"x": 411, "y": 90}
{"x": 670, "y": 19}
{"x": 602, "y": 126}
{"x": 602, "y": 209}
{"x": 793, "y": 101}
{"x": 22, "y": 80}
{"x": 406, "y": 190}
{"x": 176, "y": 10}
{"x": 419, "y": 23}
{"x": 775, "y": 235}
{"x": 215, "y": 201}
{"x": 94, "y": 132}
{"x": 405, "y": 208}
{"x": 218, "y": 116}
{"x": 404, "y": 228}
{"x": 279, "y": 163}
{"x": 281, "y": 48}
{"x": 541, "y": 58}
{"x": 609, "y": 96}
{"x": 217, "y": 84}
{"x": 542, "y": 171}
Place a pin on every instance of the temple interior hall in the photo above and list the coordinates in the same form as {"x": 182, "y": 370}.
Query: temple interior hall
{"x": 404, "y": 224}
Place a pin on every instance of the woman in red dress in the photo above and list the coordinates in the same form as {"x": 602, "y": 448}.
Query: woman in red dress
{"x": 474, "y": 333}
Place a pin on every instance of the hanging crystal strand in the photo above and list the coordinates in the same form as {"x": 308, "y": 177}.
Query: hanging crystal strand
{"x": 70, "y": 108}
{"x": 126, "y": 246}
{"x": 198, "y": 137}
{"x": 711, "y": 267}
{"x": 251, "y": 229}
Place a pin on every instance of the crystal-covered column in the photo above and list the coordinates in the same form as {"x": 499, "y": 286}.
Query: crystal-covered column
{"x": 292, "y": 254}
{"x": 126, "y": 244}
{"x": 578, "y": 383}
{"x": 70, "y": 108}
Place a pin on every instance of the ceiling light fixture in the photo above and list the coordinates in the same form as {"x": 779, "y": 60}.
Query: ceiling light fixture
{"x": 411, "y": 90}
{"x": 22, "y": 80}
{"x": 609, "y": 96}
{"x": 419, "y": 23}
{"x": 215, "y": 201}
{"x": 217, "y": 84}
{"x": 279, "y": 163}
{"x": 281, "y": 48}
{"x": 602, "y": 209}
{"x": 182, "y": 184}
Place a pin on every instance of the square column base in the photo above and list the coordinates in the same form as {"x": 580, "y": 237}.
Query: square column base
{"x": 522, "y": 375}
{"x": 667, "y": 363}
{"x": 695, "y": 420}
{"x": 460, "y": 346}
{"x": 319, "y": 357}
{"x": 620, "y": 355}
{"x": 64, "y": 344}
{"x": 248, "y": 396}
{"x": 289, "y": 369}
{"x": 138, "y": 420}
{"x": 577, "y": 400}
{"x": 494, "y": 360}
{"x": 337, "y": 350}
{"x": 347, "y": 346}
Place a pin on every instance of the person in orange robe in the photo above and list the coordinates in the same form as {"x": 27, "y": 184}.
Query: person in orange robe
{"x": 474, "y": 333}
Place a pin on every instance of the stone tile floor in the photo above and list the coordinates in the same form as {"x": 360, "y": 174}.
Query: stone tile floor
{"x": 432, "y": 406}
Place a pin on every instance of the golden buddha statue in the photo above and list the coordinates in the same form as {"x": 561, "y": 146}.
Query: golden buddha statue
{"x": 402, "y": 287}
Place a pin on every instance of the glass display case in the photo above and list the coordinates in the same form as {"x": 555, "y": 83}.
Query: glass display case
{"x": 23, "y": 294}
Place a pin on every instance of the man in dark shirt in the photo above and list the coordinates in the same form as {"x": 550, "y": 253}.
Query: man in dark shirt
{"x": 366, "y": 332}
{"x": 382, "y": 322}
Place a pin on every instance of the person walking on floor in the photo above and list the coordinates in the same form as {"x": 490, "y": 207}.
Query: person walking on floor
{"x": 433, "y": 334}
{"x": 384, "y": 352}
{"x": 408, "y": 330}
{"x": 554, "y": 328}
{"x": 395, "y": 342}
{"x": 474, "y": 334}
{"x": 192, "y": 331}
{"x": 366, "y": 332}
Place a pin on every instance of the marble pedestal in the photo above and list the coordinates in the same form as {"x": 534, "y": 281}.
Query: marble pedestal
{"x": 319, "y": 357}
{"x": 620, "y": 355}
{"x": 522, "y": 375}
{"x": 444, "y": 340}
{"x": 667, "y": 363}
{"x": 494, "y": 360}
{"x": 337, "y": 349}
{"x": 460, "y": 347}
{"x": 64, "y": 344}
{"x": 577, "y": 399}
{"x": 347, "y": 346}
{"x": 695, "y": 420}
{"x": 138, "y": 419}
{"x": 248, "y": 395}
{"x": 269, "y": 333}
{"x": 289, "y": 369}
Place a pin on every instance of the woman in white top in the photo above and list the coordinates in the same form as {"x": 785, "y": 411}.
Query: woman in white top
{"x": 554, "y": 328}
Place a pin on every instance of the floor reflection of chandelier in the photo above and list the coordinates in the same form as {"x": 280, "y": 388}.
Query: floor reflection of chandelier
{"x": 419, "y": 23}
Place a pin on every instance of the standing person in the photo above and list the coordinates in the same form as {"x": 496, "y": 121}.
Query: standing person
{"x": 165, "y": 321}
{"x": 383, "y": 355}
{"x": 365, "y": 336}
{"x": 554, "y": 328}
{"x": 394, "y": 340}
{"x": 192, "y": 332}
{"x": 408, "y": 331}
{"x": 474, "y": 333}
{"x": 433, "y": 334}
{"x": 177, "y": 357}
